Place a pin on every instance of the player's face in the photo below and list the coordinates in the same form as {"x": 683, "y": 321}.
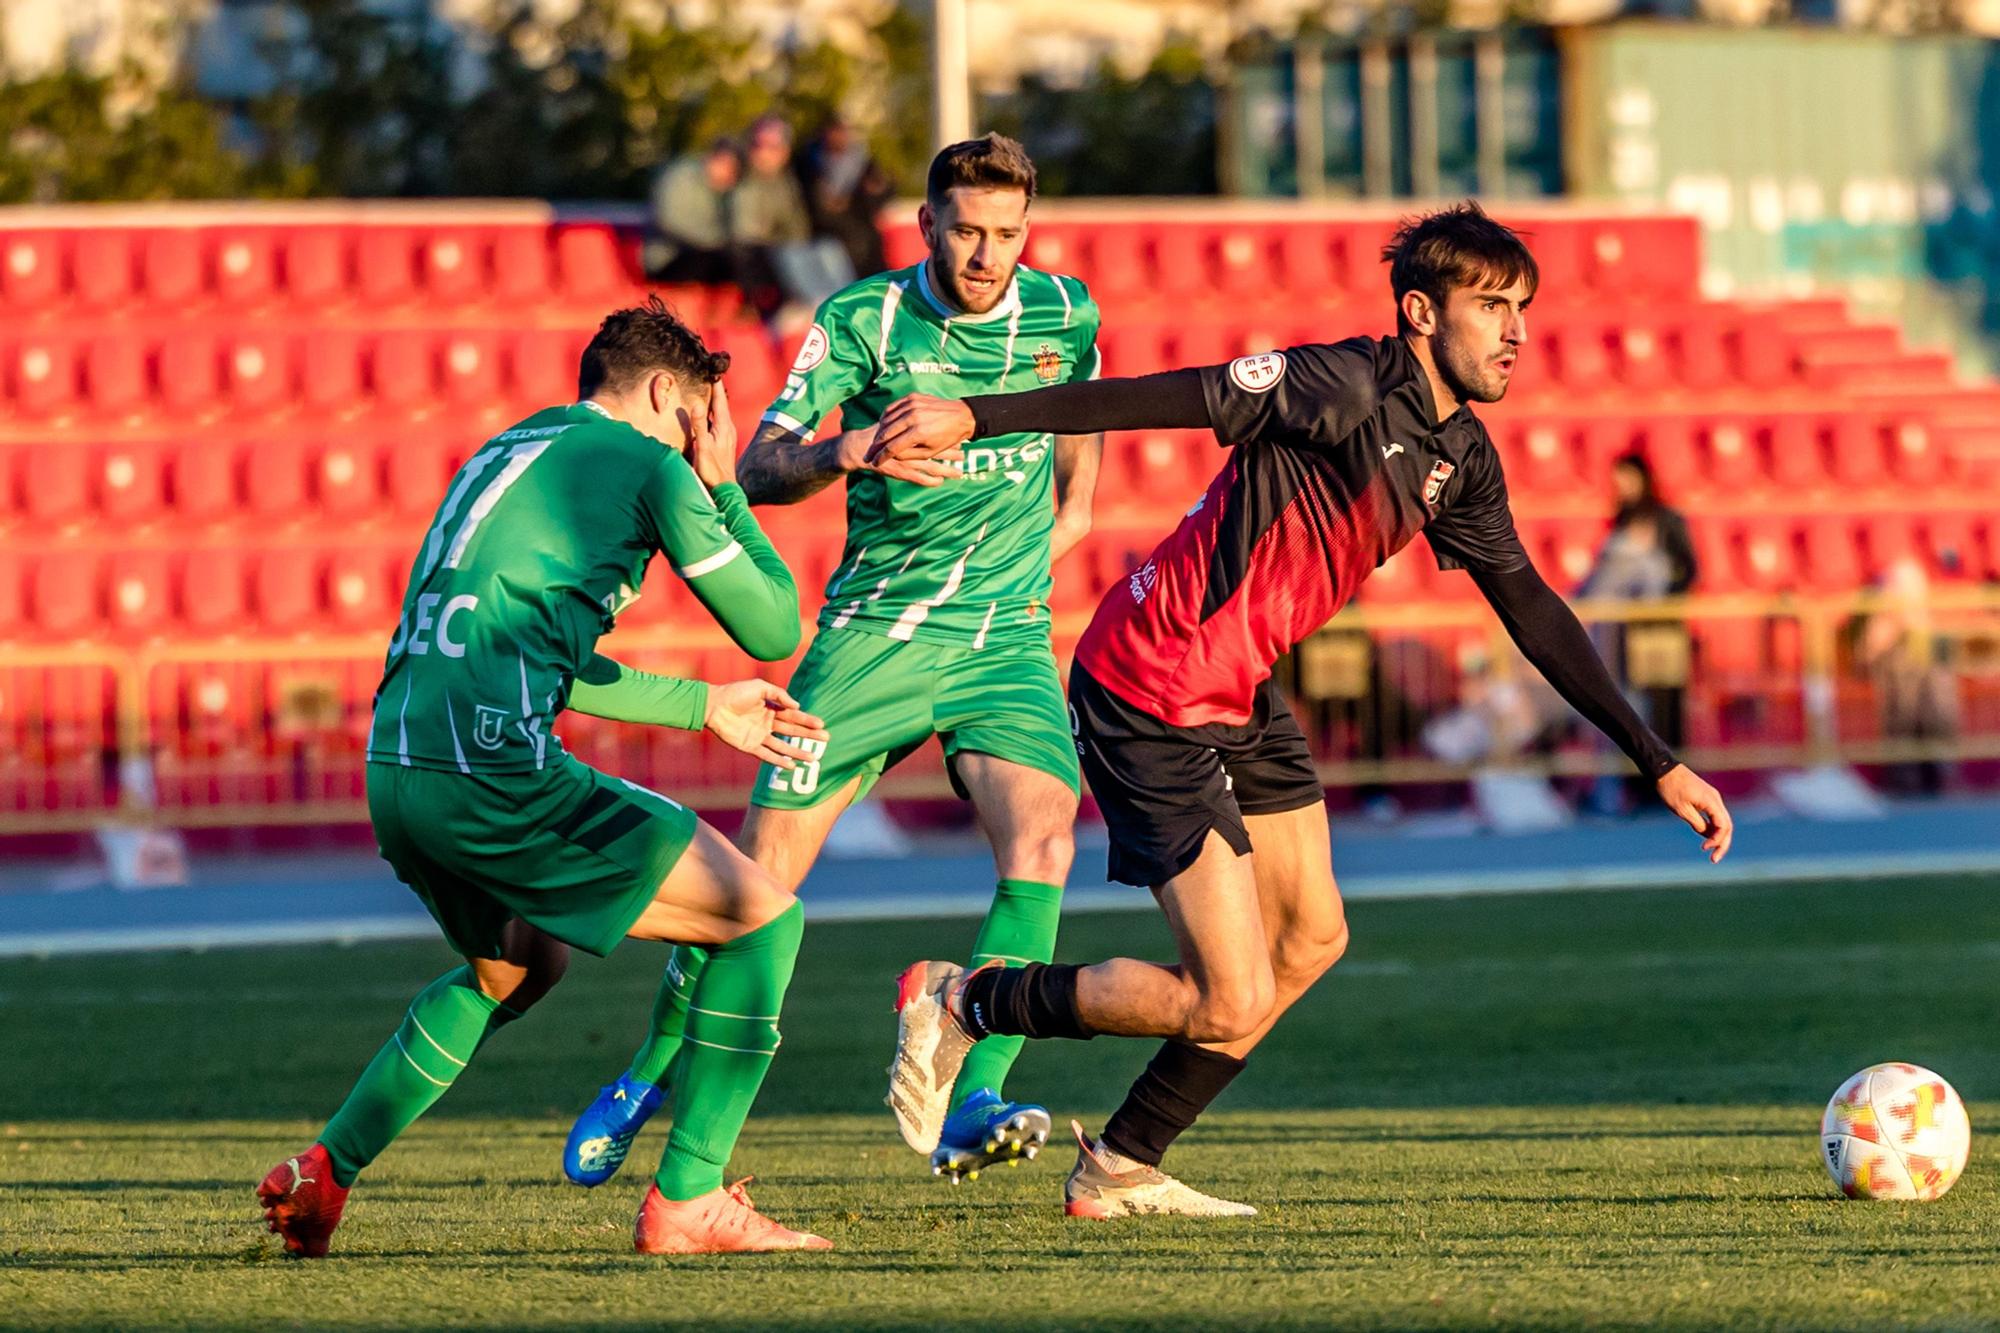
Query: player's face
{"x": 976, "y": 239}
{"x": 1479, "y": 338}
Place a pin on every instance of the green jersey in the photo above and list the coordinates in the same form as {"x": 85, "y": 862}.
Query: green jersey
{"x": 541, "y": 541}
{"x": 965, "y": 563}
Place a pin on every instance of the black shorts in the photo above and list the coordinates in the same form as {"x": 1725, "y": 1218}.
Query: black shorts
{"x": 1162, "y": 788}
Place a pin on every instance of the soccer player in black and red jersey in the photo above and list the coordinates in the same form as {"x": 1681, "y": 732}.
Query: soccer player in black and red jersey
{"x": 1342, "y": 454}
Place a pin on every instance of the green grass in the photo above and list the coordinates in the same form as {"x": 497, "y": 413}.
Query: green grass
{"x": 1559, "y": 1110}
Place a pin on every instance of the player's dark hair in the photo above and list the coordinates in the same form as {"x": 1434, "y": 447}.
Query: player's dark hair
{"x": 639, "y": 340}
{"x": 1437, "y": 253}
{"x": 992, "y": 162}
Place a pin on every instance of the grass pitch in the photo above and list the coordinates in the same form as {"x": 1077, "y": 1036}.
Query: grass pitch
{"x": 1558, "y": 1110}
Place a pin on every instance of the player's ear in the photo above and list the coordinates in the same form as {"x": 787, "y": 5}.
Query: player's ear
{"x": 1420, "y": 312}
{"x": 926, "y": 220}
{"x": 664, "y": 391}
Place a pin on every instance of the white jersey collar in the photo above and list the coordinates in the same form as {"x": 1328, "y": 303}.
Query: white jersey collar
{"x": 1009, "y": 303}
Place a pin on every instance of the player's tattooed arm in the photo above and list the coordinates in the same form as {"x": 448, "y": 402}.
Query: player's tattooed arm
{"x": 1076, "y": 466}
{"x": 780, "y": 467}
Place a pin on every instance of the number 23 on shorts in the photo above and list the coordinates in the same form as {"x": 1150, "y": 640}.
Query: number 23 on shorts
{"x": 801, "y": 779}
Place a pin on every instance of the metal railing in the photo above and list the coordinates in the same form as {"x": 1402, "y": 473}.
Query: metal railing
{"x": 261, "y": 731}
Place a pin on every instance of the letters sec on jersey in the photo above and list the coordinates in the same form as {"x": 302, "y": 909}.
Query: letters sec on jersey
{"x": 1259, "y": 373}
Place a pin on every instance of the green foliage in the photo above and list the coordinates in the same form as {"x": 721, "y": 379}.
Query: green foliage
{"x": 63, "y": 136}
{"x": 1118, "y": 135}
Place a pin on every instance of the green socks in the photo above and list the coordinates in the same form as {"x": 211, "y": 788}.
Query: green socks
{"x": 731, "y": 1033}
{"x": 1019, "y": 928}
{"x": 445, "y": 1026}
{"x": 670, "y": 1011}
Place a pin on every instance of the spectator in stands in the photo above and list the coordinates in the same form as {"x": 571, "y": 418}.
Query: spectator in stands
{"x": 1902, "y": 651}
{"x": 845, "y": 190}
{"x": 771, "y": 213}
{"x": 693, "y": 235}
{"x": 1648, "y": 554}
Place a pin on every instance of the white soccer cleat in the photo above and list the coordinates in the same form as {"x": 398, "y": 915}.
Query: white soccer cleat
{"x": 1094, "y": 1190}
{"x": 930, "y": 1050}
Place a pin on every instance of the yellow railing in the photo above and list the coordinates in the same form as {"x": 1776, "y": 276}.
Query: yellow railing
{"x": 261, "y": 731}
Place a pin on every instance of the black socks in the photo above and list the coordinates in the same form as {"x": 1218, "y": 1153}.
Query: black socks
{"x": 1033, "y": 1000}
{"x": 1176, "y": 1087}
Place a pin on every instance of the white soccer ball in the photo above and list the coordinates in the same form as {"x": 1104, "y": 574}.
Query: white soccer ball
{"x": 1895, "y": 1131}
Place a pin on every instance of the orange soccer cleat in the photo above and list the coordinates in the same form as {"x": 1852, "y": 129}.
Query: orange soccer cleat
{"x": 723, "y": 1221}
{"x": 302, "y": 1203}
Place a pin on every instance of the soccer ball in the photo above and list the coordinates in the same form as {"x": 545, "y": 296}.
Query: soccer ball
{"x": 1895, "y": 1131}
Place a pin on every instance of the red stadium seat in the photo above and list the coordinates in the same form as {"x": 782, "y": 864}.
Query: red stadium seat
{"x": 541, "y": 366}
{"x": 211, "y": 591}
{"x": 246, "y": 265}
{"x": 42, "y": 376}
{"x": 1243, "y": 262}
{"x": 101, "y": 267}
{"x": 1055, "y": 247}
{"x": 1640, "y": 354}
{"x": 286, "y": 586}
{"x": 403, "y": 369}
{"x": 1860, "y": 454}
{"x": 1357, "y": 249}
{"x": 204, "y": 476}
{"x": 1951, "y": 547}
{"x": 1307, "y": 266}
{"x": 1832, "y": 556}
{"x": 1580, "y": 351}
{"x": 416, "y": 472}
{"x": 172, "y": 267}
{"x": 1118, "y": 266}
{"x": 454, "y": 264}
{"x": 1764, "y": 555}
{"x": 1729, "y": 454}
{"x": 1794, "y": 447}
{"x": 55, "y": 481}
{"x": 385, "y": 265}
{"x": 190, "y": 373}
{"x": 330, "y": 379}
{"x": 114, "y": 374}
{"x": 1888, "y": 540}
{"x": 274, "y": 477}
{"x": 1697, "y": 347}
{"x": 1548, "y": 452}
{"x": 64, "y": 592}
{"x": 347, "y": 479}
{"x": 31, "y": 270}
{"x": 259, "y": 373}
{"x": 131, "y": 483}
{"x": 470, "y": 365}
{"x": 1181, "y": 261}
{"x": 357, "y": 588}
{"x": 137, "y": 592}
{"x": 316, "y": 265}
{"x": 522, "y": 266}
{"x": 13, "y": 590}
{"x": 1640, "y": 258}
{"x": 1913, "y": 452}
{"x": 589, "y": 264}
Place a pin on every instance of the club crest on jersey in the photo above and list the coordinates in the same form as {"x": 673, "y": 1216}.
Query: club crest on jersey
{"x": 812, "y": 351}
{"x": 1434, "y": 484}
{"x": 491, "y": 732}
{"x": 1048, "y": 364}
{"x": 1259, "y": 373}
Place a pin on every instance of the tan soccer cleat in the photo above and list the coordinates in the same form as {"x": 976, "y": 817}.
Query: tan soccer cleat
{"x": 1094, "y": 1190}
{"x": 723, "y": 1221}
{"x": 930, "y": 1050}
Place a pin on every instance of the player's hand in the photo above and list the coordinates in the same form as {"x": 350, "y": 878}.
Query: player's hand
{"x": 761, "y": 720}
{"x": 711, "y": 446}
{"x": 919, "y": 426}
{"x": 861, "y": 451}
{"x": 1701, "y": 806}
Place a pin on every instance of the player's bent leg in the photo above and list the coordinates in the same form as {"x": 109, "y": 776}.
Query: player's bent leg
{"x": 1029, "y": 816}
{"x": 785, "y": 843}
{"x": 304, "y": 1196}
{"x": 1304, "y": 919}
{"x": 717, "y": 897}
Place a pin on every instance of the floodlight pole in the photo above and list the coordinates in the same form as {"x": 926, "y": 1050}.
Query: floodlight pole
{"x": 951, "y": 73}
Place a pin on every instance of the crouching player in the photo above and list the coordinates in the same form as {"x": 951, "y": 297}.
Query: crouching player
{"x": 521, "y": 851}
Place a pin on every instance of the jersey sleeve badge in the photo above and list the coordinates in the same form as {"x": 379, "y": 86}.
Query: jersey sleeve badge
{"x": 1259, "y": 373}
{"x": 1434, "y": 484}
{"x": 812, "y": 351}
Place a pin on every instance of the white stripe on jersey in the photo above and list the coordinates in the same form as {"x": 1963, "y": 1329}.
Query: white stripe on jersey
{"x": 847, "y": 612}
{"x": 434, "y": 539}
{"x": 917, "y": 612}
{"x": 1062, "y": 288}
{"x": 451, "y": 720}
{"x": 840, "y": 578}
{"x": 979, "y": 639}
{"x": 776, "y": 418}
{"x": 709, "y": 564}
{"x": 403, "y": 723}
{"x": 891, "y": 298}
{"x": 1013, "y": 332}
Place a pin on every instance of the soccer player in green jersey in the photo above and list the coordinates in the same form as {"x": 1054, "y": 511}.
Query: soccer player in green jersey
{"x": 936, "y": 621}
{"x": 522, "y": 852}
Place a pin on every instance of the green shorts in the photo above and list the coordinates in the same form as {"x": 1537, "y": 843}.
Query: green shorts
{"x": 881, "y": 698}
{"x": 569, "y": 850}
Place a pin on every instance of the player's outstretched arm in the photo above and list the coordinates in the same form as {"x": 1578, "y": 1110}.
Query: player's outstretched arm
{"x": 754, "y": 716}
{"x": 1554, "y": 640}
{"x": 920, "y": 426}
{"x": 1076, "y": 466}
{"x": 781, "y": 468}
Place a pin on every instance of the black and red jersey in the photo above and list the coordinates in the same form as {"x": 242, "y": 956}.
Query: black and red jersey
{"x": 1337, "y": 464}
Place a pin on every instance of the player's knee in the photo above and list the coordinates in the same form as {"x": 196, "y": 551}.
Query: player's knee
{"x": 760, "y": 898}
{"x": 1043, "y": 858}
{"x": 1232, "y": 1011}
{"x": 1304, "y": 954}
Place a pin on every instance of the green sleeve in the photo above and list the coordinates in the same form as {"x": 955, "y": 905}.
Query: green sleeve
{"x": 609, "y": 689}
{"x": 836, "y": 362}
{"x": 1089, "y": 364}
{"x": 717, "y": 547}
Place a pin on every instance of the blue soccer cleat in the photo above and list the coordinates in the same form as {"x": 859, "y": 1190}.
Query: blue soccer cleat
{"x": 603, "y": 1134}
{"x": 984, "y": 1130}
